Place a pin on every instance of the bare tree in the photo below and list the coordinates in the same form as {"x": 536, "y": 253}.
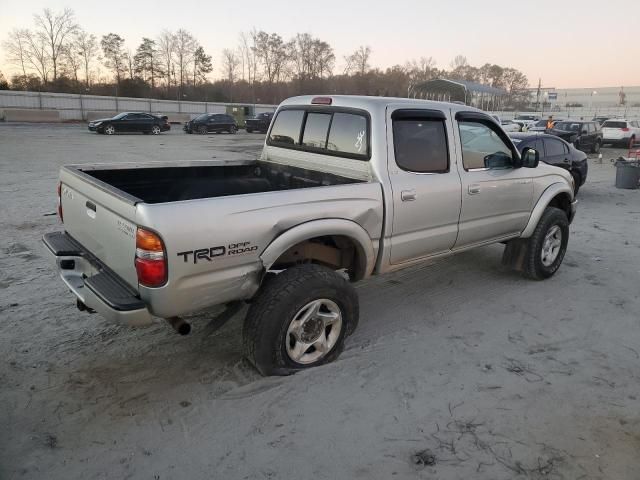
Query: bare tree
{"x": 230, "y": 62}
{"x": 358, "y": 61}
{"x": 271, "y": 52}
{"x": 166, "y": 49}
{"x": 37, "y": 55}
{"x": 323, "y": 58}
{"x": 248, "y": 57}
{"x": 71, "y": 62}
{"x": 87, "y": 47}
{"x": 55, "y": 30}
{"x": 114, "y": 56}
{"x": 130, "y": 64}
{"x": 184, "y": 49}
{"x": 16, "y": 47}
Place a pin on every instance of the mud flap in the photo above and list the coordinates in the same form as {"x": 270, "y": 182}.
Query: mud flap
{"x": 515, "y": 253}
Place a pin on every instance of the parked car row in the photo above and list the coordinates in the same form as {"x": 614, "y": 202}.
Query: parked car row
{"x": 141, "y": 122}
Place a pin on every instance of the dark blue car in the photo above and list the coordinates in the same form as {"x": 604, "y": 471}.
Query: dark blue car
{"x": 557, "y": 152}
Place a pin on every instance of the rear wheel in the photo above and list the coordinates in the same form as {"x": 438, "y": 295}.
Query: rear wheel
{"x": 596, "y": 147}
{"x": 155, "y": 130}
{"x": 299, "y": 320}
{"x": 109, "y": 130}
{"x": 249, "y": 130}
{"x": 547, "y": 246}
{"x": 233, "y": 129}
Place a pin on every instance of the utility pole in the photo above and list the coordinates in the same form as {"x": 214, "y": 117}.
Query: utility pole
{"x": 538, "y": 94}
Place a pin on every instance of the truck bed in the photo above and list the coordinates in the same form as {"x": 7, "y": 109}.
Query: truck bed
{"x": 161, "y": 184}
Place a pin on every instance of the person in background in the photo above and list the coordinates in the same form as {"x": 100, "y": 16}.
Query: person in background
{"x": 550, "y": 122}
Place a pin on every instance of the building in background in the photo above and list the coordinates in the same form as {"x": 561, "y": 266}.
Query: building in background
{"x": 469, "y": 93}
{"x": 592, "y": 98}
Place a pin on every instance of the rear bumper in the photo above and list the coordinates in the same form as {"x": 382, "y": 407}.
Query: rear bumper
{"x": 93, "y": 284}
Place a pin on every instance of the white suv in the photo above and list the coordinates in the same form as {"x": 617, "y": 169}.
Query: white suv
{"x": 618, "y": 131}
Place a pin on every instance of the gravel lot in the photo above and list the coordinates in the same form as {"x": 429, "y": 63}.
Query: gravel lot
{"x": 460, "y": 369}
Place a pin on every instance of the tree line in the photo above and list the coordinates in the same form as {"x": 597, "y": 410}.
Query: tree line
{"x": 56, "y": 54}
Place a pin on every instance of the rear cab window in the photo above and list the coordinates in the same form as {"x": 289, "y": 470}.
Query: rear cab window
{"x": 328, "y": 131}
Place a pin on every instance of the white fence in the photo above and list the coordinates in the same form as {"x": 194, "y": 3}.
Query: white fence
{"x": 78, "y": 107}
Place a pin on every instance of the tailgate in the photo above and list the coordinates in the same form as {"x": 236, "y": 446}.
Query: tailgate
{"x": 612, "y": 132}
{"x": 101, "y": 221}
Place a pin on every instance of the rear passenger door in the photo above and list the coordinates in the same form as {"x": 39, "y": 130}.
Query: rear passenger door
{"x": 426, "y": 188}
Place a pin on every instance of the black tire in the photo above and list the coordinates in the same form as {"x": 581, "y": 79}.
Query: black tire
{"x": 534, "y": 268}
{"x": 109, "y": 130}
{"x": 233, "y": 129}
{"x": 596, "y": 147}
{"x": 577, "y": 180}
{"x": 156, "y": 130}
{"x": 202, "y": 130}
{"x": 249, "y": 130}
{"x": 276, "y": 306}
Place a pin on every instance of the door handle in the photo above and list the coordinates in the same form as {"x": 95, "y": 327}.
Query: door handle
{"x": 474, "y": 189}
{"x": 408, "y": 195}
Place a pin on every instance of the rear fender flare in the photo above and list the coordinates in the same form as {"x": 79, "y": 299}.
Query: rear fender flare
{"x": 319, "y": 228}
{"x": 543, "y": 202}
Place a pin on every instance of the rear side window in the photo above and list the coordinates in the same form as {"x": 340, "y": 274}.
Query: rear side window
{"x": 554, "y": 147}
{"x": 286, "y": 128}
{"x": 610, "y": 124}
{"x": 349, "y": 134}
{"x": 421, "y": 145}
{"x": 316, "y": 129}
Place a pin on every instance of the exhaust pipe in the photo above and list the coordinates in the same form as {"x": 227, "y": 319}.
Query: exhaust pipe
{"x": 179, "y": 325}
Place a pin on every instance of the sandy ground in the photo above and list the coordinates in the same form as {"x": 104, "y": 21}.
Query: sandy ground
{"x": 458, "y": 370}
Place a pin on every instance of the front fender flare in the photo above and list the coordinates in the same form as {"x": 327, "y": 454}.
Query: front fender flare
{"x": 542, "y": 203}
{"x": 319, "y": 228}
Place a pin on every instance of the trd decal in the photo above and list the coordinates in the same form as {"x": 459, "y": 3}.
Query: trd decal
{"x": 209, "y": 254}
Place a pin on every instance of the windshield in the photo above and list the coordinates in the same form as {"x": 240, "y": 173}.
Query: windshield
{"x": 202, "y": 117}
{"x": 120, "y": 115}
{"x": 516, "y": 140}
{"x": 540, "y": 123}
{"x": 525, "y": 117}
{"x": 567, "y": 126}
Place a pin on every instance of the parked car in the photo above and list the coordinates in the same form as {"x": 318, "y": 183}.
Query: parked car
{"x": 510, "y": 126}
{"x": 127, "y": 122}
{"x": 259, "y": 123}
{"x": 346, "y": 187}
{"x": 601, "y": 119}
{"x": 620, "y": 132}
{"x": 211, "y": 122}
{"x": 586, "y": 136}
{"x": 555, "y": 151}
{"x": 526, "y": 120}
{"x": 539, "y": 126}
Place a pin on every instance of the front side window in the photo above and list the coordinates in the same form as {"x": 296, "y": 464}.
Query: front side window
{"x": 349, "y": 134}
{"x": 482, "y": 147}
{"x": 316, "y": 129}
{"x": 421, "y": 145}
{"x": 286, "y": 128}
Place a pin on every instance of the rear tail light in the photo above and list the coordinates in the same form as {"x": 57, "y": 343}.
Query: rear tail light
{"x": 151, "y": 259}
{"x": 60, "y": 202}
{"x": 625, "y": 129}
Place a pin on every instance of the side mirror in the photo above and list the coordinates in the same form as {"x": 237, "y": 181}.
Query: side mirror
{"x": 530, "y": 157}
{"x": 498, "y": 160}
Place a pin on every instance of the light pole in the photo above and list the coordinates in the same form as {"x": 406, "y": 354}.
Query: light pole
{"x": 592, "y": 94}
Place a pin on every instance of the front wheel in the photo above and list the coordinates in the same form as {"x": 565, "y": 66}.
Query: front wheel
{"x": 202, "y": 130}
{"x": 109, "y": 130}
{"x": 548, "y": 244}
{"x": 299, "y": 320}
{"x": 155, "y": 130}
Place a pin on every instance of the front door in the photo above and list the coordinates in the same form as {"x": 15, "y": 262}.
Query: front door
{"x": 424, "y": 182}
{"x": 496, "y": 194}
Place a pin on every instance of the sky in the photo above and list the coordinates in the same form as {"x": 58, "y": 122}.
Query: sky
{"x": 566, "y": 43}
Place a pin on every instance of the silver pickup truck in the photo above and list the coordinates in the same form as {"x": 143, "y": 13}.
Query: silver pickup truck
{"x": 346, "y": 187}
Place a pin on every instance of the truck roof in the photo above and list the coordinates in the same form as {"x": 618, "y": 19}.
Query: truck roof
{"x": 370, "y": 103}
